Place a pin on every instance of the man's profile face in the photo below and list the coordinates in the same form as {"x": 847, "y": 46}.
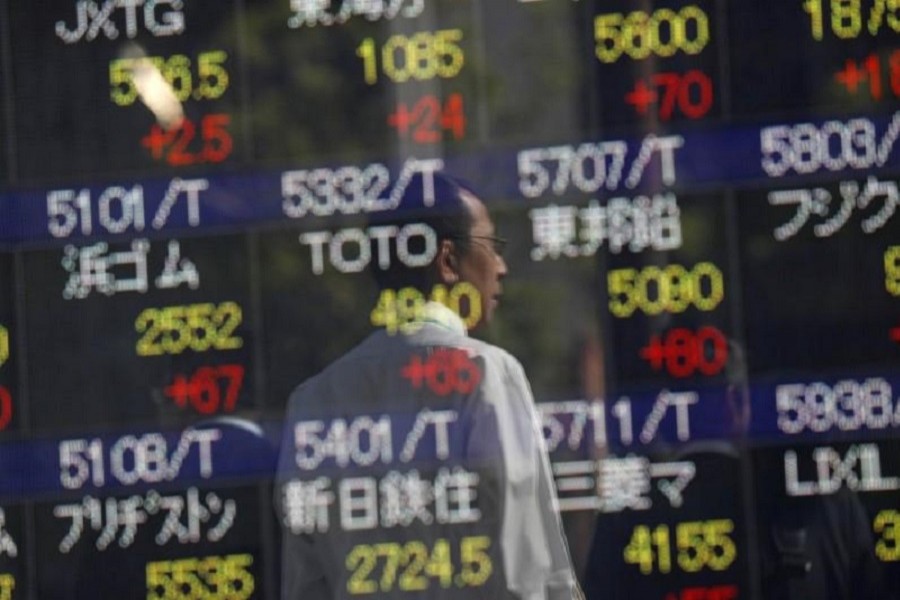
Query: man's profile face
{"x": 480, "y": 265}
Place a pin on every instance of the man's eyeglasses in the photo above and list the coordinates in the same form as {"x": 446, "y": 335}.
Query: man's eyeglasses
{"x": 497, "y": 243}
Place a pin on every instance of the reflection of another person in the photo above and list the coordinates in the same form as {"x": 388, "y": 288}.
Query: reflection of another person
{"x": 494, "y": 433}
{"x": 819, "y": 547}
{"x": 811, "y": 548}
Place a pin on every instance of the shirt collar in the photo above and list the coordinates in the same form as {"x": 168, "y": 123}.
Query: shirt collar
{"x": 442, "y": 316}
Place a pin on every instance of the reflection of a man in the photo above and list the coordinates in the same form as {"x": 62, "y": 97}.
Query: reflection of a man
{"x": 414, "y": 465}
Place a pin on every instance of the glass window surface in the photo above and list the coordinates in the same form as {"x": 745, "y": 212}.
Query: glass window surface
{"x": 450, "y": 299}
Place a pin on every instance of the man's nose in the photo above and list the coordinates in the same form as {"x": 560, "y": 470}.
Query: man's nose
{"x": 501, "y": 266}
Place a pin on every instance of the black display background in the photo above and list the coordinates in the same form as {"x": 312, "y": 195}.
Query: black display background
{"x": 66, "y": 123}
{"x": 14, "y": 527}
{"x": 616, "y": 80}
{"x": 308, "y": 96}
{"x": 778, "y": 70}
{"x": 815, "y": 304}
{"x": 840, "y": 522}
{"x": 8, "y": 370}
{"x": 704, "y": 240}
{"x": 807, "y": 304}
{"x": 117, "y": 572}
{"x": 89, "y": 347}
{"x": 715, "y": 493}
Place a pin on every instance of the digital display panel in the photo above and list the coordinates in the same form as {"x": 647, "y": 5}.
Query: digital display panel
{"x": 702, "y": 287}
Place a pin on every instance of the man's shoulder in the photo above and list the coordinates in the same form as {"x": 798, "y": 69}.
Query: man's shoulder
{"x": 372, "y": 347}
{"x": 501, "y": 356}
{"x": 381, "y": 345}
{"x": 495, "y": 355}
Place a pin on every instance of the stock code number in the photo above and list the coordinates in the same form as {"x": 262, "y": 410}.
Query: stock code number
{"x": 671, "y": 289}
{"x": 212, "y": 577}
{"x": 698, "y": 545}
{"x": 402, "y": 310}
{"x": 197, "y": 327}
{"x": 847, "y": 405}
{"x": 412, "y": 566}
{"x": 806, "y": 148}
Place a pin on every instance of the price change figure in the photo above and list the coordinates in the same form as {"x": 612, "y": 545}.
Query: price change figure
{"x": 415, "y": 463}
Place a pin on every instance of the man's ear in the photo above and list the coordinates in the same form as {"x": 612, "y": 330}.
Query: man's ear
{"x": 447, "y": 263}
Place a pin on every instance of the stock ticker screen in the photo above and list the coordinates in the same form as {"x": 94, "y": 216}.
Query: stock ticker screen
{"x": 703, "y": 286}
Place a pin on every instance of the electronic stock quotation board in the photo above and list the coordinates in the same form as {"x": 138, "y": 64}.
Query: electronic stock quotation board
{"x": 703, "y": 286}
